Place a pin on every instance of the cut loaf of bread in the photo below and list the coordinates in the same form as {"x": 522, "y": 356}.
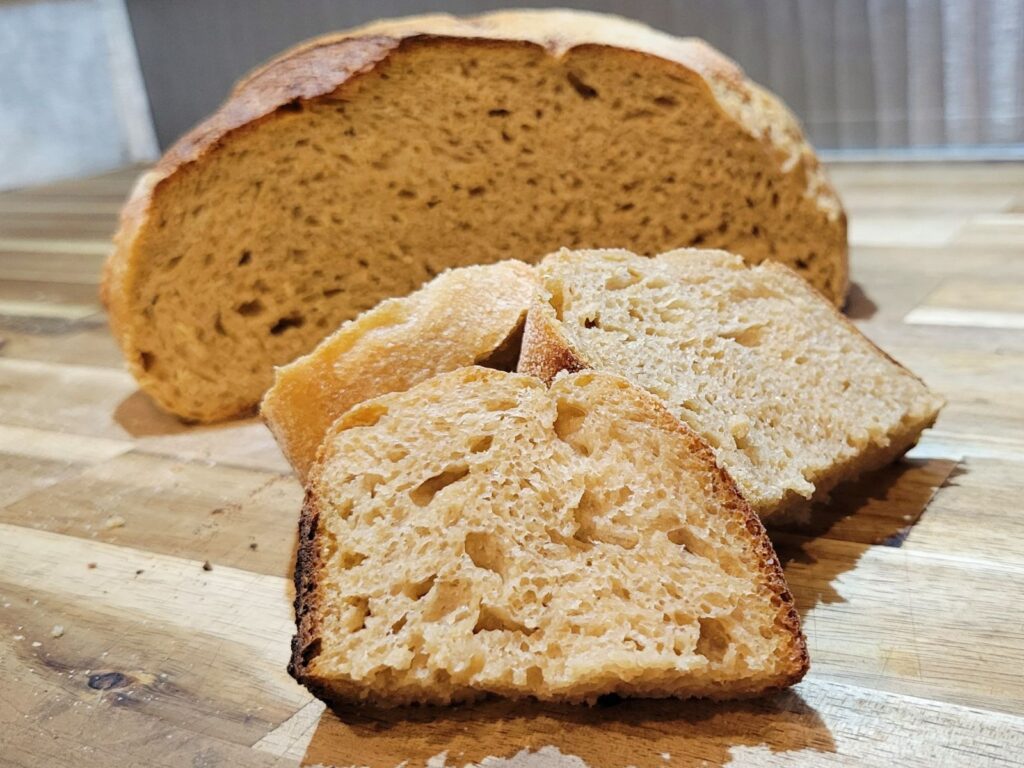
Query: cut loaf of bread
{"x": 791, "y": 396}
{"x": 355, "y": 168}
{"x": 472, "y": 315}
{"x": 481, "y": 533}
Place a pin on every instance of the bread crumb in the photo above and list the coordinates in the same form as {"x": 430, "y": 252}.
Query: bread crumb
{"x": 253, "y": 546}
{"x": 90, "y": 566}
{"x": 19, "y": 637}
{"x": 36, "y": 644}
{"x": 57, "y": 631}
{"x": 114, "y": 521}
{"x": 666, "y": 756}
{"x": 207, "y": 566}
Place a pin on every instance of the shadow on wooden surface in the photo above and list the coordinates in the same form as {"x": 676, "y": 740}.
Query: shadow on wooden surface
{"x": 139, "y": 416}
{"x": 630, "y": 732}
{"x": 859, "y": 305}
{"x": 880, "y": 508}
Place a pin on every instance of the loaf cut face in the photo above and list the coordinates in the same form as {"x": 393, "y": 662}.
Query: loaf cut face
{"x": 790, "y": 395}
{"x": 481, "y": 533}
{"x": 472, "y": 315}
{"x": 359, "y": 166}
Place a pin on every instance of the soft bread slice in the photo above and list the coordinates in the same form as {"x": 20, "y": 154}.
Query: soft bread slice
{"x": 481, "y": 533}
{"x": 464, "y": 316}
{"x": 791, "y": 396}
{"x": 358, "y": 166}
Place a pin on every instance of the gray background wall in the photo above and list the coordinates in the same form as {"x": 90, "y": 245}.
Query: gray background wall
{"x": 71, "y": 96}
{"x": 861, "y": 74}
{"x": 934, "y": 76}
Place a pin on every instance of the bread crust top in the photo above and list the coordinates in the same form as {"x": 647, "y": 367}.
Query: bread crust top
{"x": 330, "y": 64}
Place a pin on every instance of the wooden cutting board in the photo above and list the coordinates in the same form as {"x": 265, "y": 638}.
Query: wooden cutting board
{"x": 145, "y": 604}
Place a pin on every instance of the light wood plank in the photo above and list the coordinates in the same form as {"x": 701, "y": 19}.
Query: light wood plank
{"x": 226, "y": 516}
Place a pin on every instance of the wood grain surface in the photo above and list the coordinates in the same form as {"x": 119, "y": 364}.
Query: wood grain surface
{"x": 145, "y": 599}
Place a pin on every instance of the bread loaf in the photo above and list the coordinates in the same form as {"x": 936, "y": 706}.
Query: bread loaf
{"x": 481, "y": 533}
{"x": 463, "y": 316}
{"x": 791, "y": 396}
{"x": 355, "y": 168}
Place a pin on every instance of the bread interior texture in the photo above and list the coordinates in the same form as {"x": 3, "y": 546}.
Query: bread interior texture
{"x": 484, "y": 534}
{"x": 447, "y": 153}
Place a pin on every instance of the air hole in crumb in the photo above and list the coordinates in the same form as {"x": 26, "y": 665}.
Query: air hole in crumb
{"x": 501, "y": 405}
{"x": 584, "y": 90}
{"x": 146, "y": 360}
{"x": 173, "y": 262}
{"x": 367, "y": 416}
{"x": 747, "y": 337}
{"x": 568, "y": 420}
{"x": 801, "y": 264}
{"x": 498, "y": 113}
{"x": 481, "y": 444}
{"x": 397, "y": 626}
{"x": 358, "y": 613}
{"x": 245, "y": 258}
{"x": 534, "y": 677}
{"x": 250, "y": 308}
{"x": 330, "y": 292}
{"x": 557, "y": 301}
{"x": 692, "y": 543}
{"x": 592, "y": 322}
{"x": 665, "y": 101}
{"x": 495, "y": 620}
{"x": 352, "y": 559}
{"x": 420, "y": 588}
{"x": 485, "y": 552}
{"x": 285, "y": 323}
{"x": 713, "y": 642}
{"x": 218, "y": 326}
{"x": 623, "y": 280}
{"x": 425, "y": 492}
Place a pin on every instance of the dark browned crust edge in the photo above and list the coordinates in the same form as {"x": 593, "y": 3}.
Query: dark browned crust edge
{"x": 308, "y": 564}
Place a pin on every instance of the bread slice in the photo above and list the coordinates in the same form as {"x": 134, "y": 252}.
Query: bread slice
{"x": 790, "y": 395}
{"x": 463, "y": 316}
{"x": 355, "y": 168}
{"x": 481, "y": 533}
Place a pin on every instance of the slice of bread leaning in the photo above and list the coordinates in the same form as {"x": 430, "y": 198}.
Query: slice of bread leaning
{"x": 472, "y": 315}
{"x": 484, "y": 534}
{"x": 358, "y": 166}
{"x": 791, "y": 396}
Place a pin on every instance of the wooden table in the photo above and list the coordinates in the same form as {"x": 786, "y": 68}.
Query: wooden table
{"x": 145, "y": 604}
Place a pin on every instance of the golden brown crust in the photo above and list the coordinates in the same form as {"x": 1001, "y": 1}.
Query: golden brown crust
{"x": 545, "y": 351}
{"x": 331, "y": 65}
{"x": 308, "y": 563}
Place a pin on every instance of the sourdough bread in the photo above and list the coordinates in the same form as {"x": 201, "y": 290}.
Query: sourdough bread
{"x": 481, "y": 533}
{"x": 791, "y": 396}
{"x": 355, "y": 168}
{"x": 463, "y": 316}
